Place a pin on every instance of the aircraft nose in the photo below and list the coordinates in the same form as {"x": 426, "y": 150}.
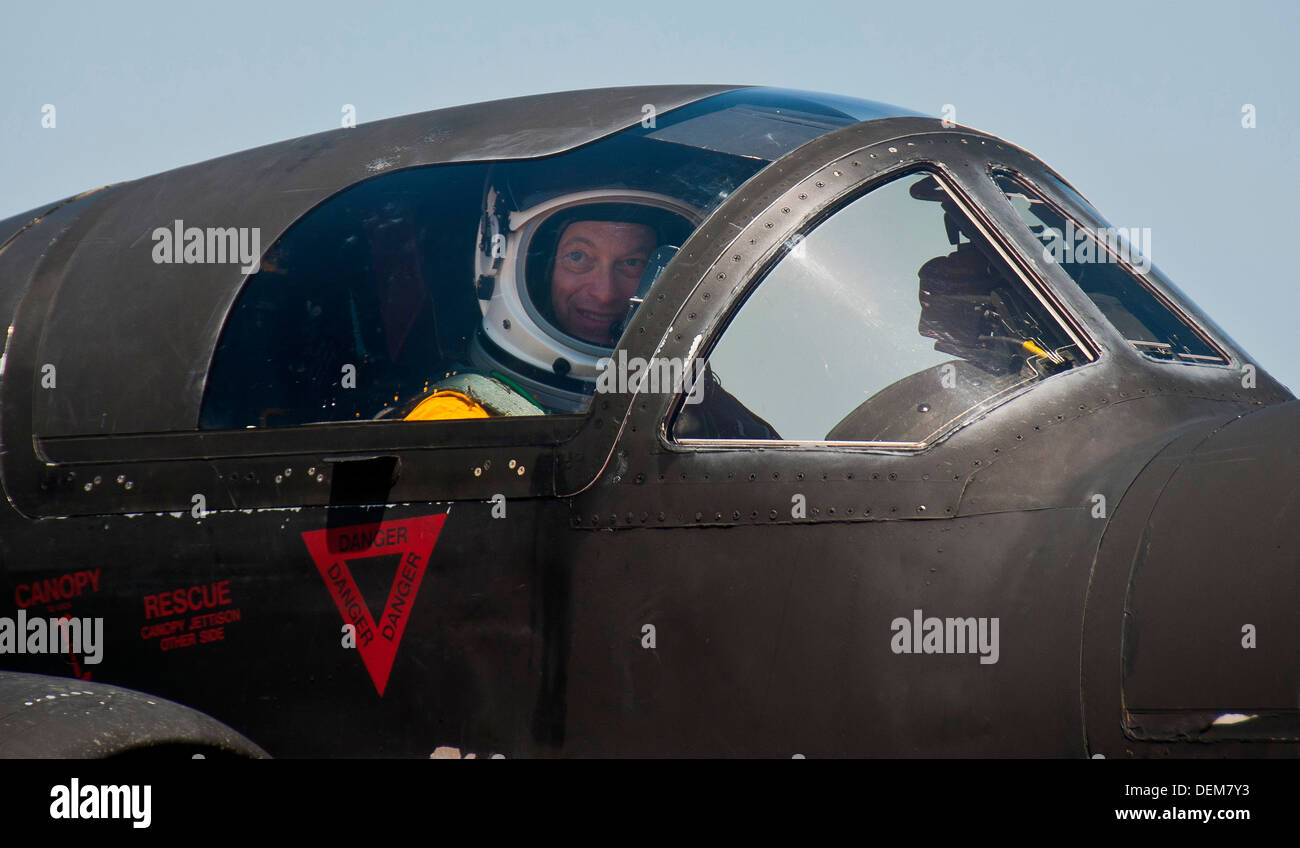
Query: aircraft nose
{"x": 1209, "y": 568}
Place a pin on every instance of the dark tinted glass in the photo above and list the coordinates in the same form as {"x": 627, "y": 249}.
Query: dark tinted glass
{"x": 1101, "y": 260}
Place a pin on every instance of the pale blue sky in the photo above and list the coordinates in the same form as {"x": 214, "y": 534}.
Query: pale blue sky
{"x": 1139, "y": 105}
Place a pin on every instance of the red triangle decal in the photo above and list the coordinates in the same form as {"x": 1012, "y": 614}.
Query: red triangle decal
{"x": 332, "y": 549}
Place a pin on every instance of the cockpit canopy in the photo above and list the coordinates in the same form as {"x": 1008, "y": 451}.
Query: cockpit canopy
{"x": 403, "y": 283}
{"x": 480, "y": 270}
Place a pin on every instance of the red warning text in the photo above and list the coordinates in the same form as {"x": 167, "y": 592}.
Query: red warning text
{"x": 51, "y": 590}
{"x": 191, "y": 598}
{"x": 333, "y": 549}
{"x": 352, "y": 542}
{"x": 194, "y": 626}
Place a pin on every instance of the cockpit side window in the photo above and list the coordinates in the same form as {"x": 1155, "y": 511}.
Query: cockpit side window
{"x": 1108, "y": 263}
{"x": 890, "y": 322}
{"x": 357, "y": 308}
{"x": 457, "y": 291}
{"x": 490, "y": 289}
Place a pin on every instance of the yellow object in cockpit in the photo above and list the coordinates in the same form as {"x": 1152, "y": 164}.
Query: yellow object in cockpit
{"x": 446, "y": 405}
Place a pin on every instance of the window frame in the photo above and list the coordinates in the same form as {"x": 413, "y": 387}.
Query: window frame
{"x": 1162, "y": 298}
{"x": 1011, "y": 265}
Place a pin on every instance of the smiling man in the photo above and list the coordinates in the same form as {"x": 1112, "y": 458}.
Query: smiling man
{"x": 598, "y": 265}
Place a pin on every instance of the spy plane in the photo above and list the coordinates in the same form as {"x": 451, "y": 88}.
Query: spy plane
{"x": 908, "y": 481}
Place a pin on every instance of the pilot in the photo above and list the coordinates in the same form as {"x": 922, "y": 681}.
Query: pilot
{"x": 594, "y": 274}
{"x": 557, "y": 284}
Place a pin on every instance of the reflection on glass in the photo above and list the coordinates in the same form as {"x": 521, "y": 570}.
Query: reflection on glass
{"x": 885, "y": 323}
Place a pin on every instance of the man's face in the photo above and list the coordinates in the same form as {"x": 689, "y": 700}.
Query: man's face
{"x": 598, "y": 265}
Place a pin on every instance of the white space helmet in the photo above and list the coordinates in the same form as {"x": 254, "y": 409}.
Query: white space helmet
{"x": 520, "y": 336}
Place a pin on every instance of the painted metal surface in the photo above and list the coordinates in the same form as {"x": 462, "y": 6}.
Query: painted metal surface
{"x": 768, "y": 634}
